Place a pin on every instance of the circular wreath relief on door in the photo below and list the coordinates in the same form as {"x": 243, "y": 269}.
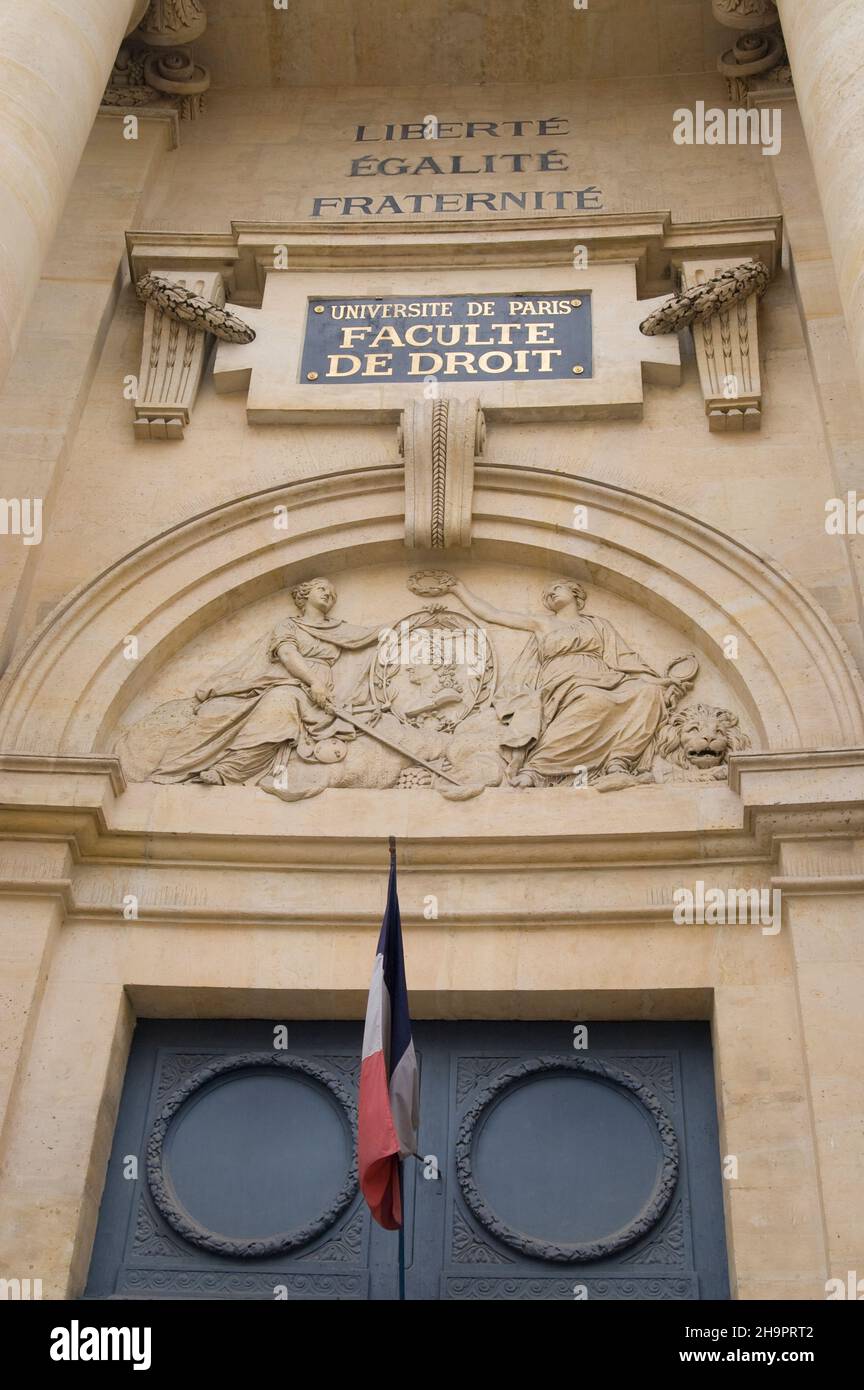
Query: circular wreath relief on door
{"x": 254, "y": 1155}
{"x": 567, "y": 1159}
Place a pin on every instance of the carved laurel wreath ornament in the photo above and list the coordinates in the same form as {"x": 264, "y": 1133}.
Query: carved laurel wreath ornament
{"x": 193, "y": 309}
{"x": 431, "y": 583}
{"x": 704, "y": 301}
{"x": 162, "y": 1189}
{"x": 560, "y": 1252}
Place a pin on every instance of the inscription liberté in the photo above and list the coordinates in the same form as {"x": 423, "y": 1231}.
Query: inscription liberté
{"x": 433, "y": 161}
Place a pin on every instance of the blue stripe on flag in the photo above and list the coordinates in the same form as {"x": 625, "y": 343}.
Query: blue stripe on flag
{"x": 390, "y": 947}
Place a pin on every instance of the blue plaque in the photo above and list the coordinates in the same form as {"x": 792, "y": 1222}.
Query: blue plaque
{"x": 525, "y": 336}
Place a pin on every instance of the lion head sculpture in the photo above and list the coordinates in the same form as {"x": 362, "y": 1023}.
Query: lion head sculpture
{"x": 696, "y": 741}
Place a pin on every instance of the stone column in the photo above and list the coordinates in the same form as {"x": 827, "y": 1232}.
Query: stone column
{"x": 825, "y": 42}
{"x": 55, "y": 58}
{"x": 821, "y": 881}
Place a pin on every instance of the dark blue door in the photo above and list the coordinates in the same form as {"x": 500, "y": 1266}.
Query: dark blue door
{"x": 563, "y": 1173}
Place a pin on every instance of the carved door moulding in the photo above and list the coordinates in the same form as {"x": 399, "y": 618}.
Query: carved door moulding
{"x": 162, "y": 1187}
{"x": 522, "y": 1073}
{"x": 626, "y": 1198}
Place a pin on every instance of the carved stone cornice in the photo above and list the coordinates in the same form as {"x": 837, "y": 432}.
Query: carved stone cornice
{"x": 93, "y": 765}
{"x": 647, "y": 239}
{"x": 819, "y": 800}
{"x": 630, "y": 256}
{"x": 782, "y": 763}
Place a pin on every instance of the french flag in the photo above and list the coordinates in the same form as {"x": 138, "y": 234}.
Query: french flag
{"x": 388, "y": 1108}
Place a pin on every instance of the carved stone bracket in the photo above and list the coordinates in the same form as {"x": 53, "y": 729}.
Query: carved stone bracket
{"x": 727, "y": 352}
{"x": 173, "y": 356}
{"x": 719, "y": 300}
{"x": 154, "y": 67}
{"x": 439, "y": 440}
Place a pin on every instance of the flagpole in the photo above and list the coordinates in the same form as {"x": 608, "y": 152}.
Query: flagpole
{"x": 402, "y": 1233}
{"x": 401, "y": 1166}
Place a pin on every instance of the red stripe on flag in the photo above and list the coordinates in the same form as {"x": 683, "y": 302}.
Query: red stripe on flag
{"x": 378, "y": 1145}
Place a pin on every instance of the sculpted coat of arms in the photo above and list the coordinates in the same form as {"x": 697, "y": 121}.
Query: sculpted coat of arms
{"x": 578, "y": 706}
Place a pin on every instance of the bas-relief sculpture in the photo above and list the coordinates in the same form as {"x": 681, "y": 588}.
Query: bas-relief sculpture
{"x": 578, "y": 706}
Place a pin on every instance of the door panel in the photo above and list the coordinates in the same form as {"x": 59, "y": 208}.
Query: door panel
{"x": 563, "y": 1174}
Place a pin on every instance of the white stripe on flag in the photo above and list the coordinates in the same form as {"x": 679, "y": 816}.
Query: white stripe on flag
{"x": 376, "y": 1034}
{"x": 404, "y": 1100}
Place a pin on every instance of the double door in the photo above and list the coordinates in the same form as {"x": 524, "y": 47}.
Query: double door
{"x": 550, "y": 1171}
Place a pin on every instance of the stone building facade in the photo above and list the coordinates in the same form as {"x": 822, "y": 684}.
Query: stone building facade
{"x": 475, "y": 463}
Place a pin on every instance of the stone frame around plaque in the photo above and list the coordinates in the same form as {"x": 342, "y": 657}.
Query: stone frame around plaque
{"x": 627, "y": 261}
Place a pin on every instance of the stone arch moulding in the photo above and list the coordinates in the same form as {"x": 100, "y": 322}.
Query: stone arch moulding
{"x": 65, "y": 692}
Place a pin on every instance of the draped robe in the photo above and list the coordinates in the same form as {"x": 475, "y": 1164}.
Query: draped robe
{"x": 254, "y": 711}
{"x": 575, "y": 697}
